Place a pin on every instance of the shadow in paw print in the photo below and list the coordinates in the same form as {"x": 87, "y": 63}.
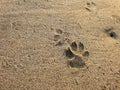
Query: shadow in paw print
{"x": 88, "y": 9}
{"x": 74, "y": 46}
{"x": 69, "y": 53}
{"x": 59, "y": 37}
{"x": 76, "y": 60}
{"x": 111, "y": 33}
{"x": 86, "y": 53}
{"x": 60, "y": 42}
{"x": 89, "y": 6}
{"x": 56, "y": 37}
{"x": 81, "y": 46}
{"x": 59, "y": 31}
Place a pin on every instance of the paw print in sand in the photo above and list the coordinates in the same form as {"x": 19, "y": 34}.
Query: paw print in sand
{"x": 111, "y": 33}
{"x": 76, "y": 54}
{"x": 60, "y": 37}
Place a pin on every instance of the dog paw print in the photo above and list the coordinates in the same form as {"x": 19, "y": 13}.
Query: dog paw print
{"x": 60, "y": 37}
{"x": 77, "y": 55}
{"x": 90, "y": 6}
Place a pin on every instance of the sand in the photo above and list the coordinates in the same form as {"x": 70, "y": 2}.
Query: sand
{"x": 40, "y": 45}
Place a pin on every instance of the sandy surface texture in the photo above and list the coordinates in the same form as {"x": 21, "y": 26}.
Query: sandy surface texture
{"x": 59, "y": 44}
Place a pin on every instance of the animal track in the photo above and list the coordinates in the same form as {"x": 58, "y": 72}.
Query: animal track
{"x": 89, "y": 6}
{"x": 59, "y": 31}
{"x": 111, "y": 33}
{"x": 74, "y": 45}
{"x": 59, "y": 37}
{"x": 76, "y": 60}
{"x": 74, "y": 52}
{"x": 56, "y": 37}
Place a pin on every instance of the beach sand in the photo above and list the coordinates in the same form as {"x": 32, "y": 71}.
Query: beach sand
{"x": 59, "y": 44}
